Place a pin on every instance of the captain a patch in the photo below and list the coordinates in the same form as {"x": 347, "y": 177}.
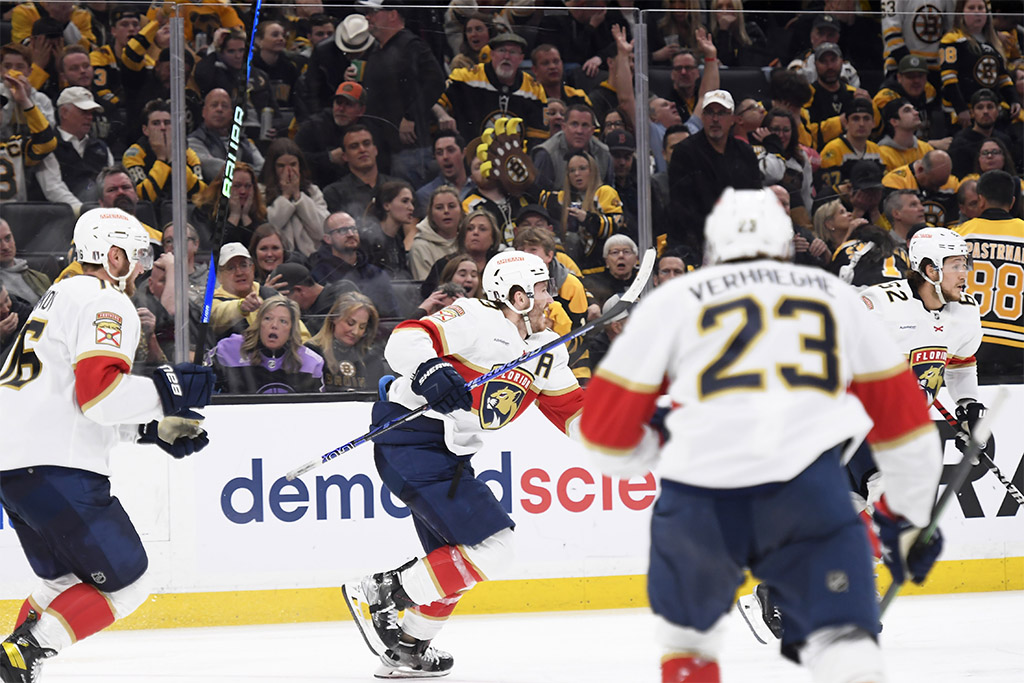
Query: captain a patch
{"x": 108, "y": 329}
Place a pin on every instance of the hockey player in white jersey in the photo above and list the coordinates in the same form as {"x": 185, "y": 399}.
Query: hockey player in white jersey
{"x": 937, "y": 326}
{"x": 465, "y": 533}
{"x": 751, "y": 350}
{"x": 66, "y": 398}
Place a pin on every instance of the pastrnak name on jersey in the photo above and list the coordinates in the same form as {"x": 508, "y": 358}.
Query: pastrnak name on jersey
{"x": 993, "y": 250}
{"x": 761, "y": 275}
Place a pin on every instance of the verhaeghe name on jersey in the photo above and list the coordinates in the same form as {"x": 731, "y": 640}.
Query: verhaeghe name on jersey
{"x": 760, "y": 275}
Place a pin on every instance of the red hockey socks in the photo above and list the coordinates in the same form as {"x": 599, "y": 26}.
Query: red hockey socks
{"x": 83, "y": 610}
{"x": 677, "y": 668}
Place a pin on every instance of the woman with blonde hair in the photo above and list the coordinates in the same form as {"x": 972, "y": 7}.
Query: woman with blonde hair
{"x": 246, "y": 209}
{"x": 268, "y": 358}
{"x": 973, "y": 58}
{"x": 833, "y": 223}
{"x": 739, "y": 42}
{"x": 591, "y": 210}
{"x": 346, "y": 342}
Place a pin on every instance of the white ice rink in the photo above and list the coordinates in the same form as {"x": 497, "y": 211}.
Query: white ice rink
{"x": 976, "y": 637}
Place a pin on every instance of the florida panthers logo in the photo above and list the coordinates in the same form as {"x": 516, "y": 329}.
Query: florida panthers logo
{"x": 929, "y": 365}
{"x": 503, "y": 398}
{"x": 108, "y": 329}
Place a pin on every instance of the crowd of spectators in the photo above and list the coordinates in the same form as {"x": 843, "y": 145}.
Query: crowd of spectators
{"x": 363, "y": 193}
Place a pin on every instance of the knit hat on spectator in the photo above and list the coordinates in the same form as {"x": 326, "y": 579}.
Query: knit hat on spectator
{"x": 165, "y": 56}
{"x": 913, "y": 64}
{"x": 866, "y": 175}
{"x": 117, "y": 15}
{"x": 858, "y": 105}
{"x": 507, "y": 38}
{"x": 824, "y": 48}
{"x": 353, "y": 34}
{"x": 535, "y": 210}
{"x": 984, "y": 95}
{"x": 620, "y": 141}
{"x": 721, "y": 97}
{"x": 351, "y": 91}
{"x": 292, "y": 274}
{"x": 230, "y": 251}
{"x": 80, "y": 97}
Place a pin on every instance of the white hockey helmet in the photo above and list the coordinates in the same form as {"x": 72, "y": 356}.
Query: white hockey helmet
{"x": 513, "y": 269}
{"x": 97, "y": 230}
{"x": 747, "y": 224}
{"x": 936, "y": 245}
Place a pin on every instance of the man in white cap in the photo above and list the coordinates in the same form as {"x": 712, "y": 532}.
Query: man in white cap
{"x": 703, "y": 165}
{"x": 69, "y": 174}
{"x": 330, "y": 60}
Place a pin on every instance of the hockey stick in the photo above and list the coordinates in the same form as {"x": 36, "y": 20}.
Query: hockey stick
{"x": 625, "y": 302}
{"x": 220, "y": 215}
{"x": 985, "y": 457}
{"x": 979, "y": 437}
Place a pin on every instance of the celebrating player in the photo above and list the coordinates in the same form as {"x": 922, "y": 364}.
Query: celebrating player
{"x": 465, "y": 533}
{"x": 937, "y": 326}
{"x": 750, "y": 347}
{"x": 70, "y": 370}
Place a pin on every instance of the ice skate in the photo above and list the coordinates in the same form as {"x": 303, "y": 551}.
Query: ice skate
{"x": 372, "y": 604}
{"x": 21, "y": 656}
{"x": 418, "y": 659}
{"x": 761, "y": 614}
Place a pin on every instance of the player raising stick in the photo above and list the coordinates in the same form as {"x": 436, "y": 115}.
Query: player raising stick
{"x": 66, "y": 398}
{"x": 752, "y": 347}
{"x": 465, "y": 533}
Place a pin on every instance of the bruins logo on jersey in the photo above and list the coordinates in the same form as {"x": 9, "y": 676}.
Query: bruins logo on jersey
{"x": 929, "y": 365}
{"x": 502, "y": 398}
{"x": 928, "y": 24}
{"x": 986, "y": 71}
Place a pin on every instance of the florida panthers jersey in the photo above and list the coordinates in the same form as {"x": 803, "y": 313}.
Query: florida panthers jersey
{"x": 935, "y": 342}
{"x": 768, "y": 365}
{"x": 63, "y": 393}
{"x": 475, "y": 337}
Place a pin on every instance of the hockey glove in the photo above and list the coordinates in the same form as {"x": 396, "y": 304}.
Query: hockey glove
{"x": 903, "y": 553}
{"x": 183, "y": 386}
{"x": 442, "y": 386}
{"x": 968, "y": 415}
{"x": 657, "y": 423}
{"x": 178, "y": 436}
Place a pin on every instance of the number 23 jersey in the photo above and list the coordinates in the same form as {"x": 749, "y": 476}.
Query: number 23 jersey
{"x": 66, "y": 377}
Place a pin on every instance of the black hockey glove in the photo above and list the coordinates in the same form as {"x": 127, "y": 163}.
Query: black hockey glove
{"x": 178, "y": 436}
{"x": 184, "y": 386}
{"x": 902, "y": 551}
{"x": 443, "y": 387}
{"x": 967, "y": 416}
{"x": 657, "y": 423}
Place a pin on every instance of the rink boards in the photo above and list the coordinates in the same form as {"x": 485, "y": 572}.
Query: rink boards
{"x": 232, "y": 542}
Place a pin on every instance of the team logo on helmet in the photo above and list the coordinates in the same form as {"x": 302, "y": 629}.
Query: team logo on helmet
{"x": 108, "y": 329}
{"x": 929, "y": 365}
{"x": 502, "y": 398}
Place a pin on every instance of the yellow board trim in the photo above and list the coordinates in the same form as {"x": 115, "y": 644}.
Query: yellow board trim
{"x": 244, "y": 608}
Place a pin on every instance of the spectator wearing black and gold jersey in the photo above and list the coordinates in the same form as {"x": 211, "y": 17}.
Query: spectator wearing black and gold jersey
{"x": 148, "y": 161}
